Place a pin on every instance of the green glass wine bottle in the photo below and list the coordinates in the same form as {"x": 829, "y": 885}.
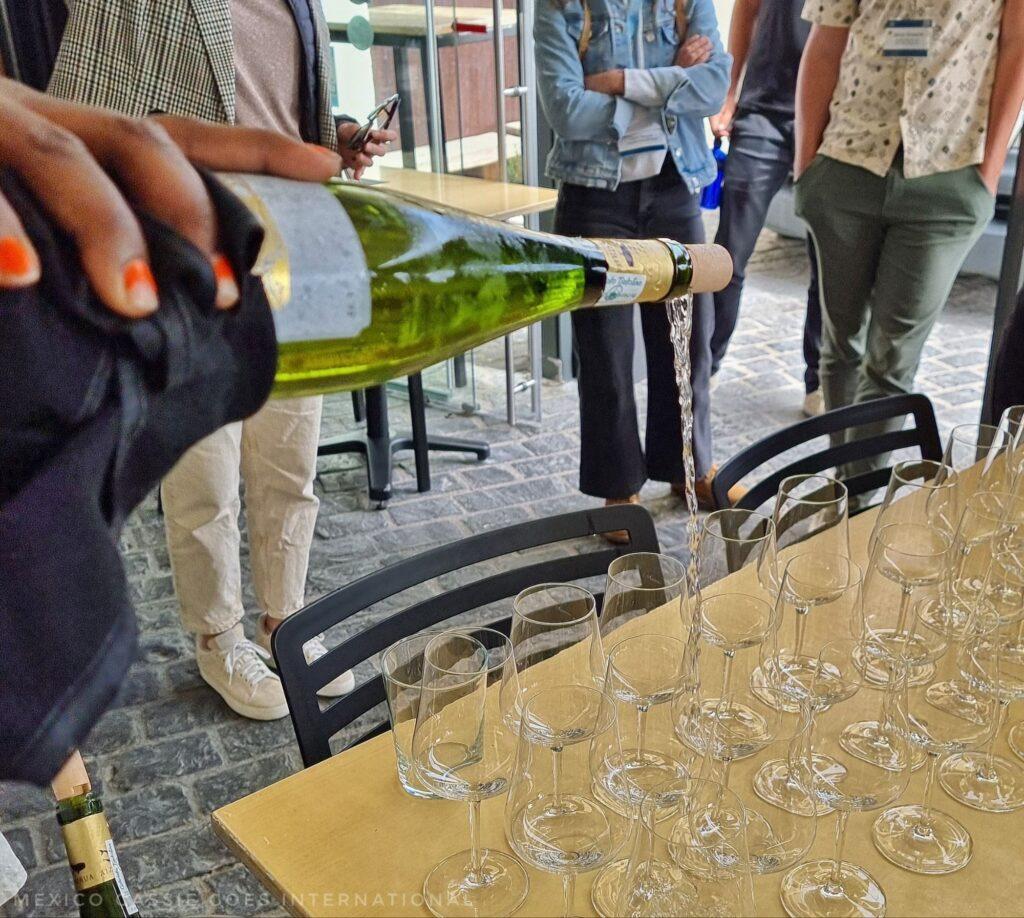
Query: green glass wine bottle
{"x": 368, "y": 286}
{"x": 100, "y": 887}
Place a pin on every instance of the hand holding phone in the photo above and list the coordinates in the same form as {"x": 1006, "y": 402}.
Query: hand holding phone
{"x": 378, "y": 120}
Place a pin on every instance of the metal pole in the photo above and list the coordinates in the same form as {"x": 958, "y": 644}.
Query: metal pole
{"x": 433, "y": 80}
{"x": 1009, "y": 283}
{"x": 499, "y": 85}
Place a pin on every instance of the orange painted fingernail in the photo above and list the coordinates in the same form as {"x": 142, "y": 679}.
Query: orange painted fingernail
{"x": 18, "y": 263}
{"x": 227, "y": 283}
{"x": 140, "y": 287}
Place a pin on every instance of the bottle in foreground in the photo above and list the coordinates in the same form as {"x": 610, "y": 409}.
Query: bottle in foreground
{"x": 100, "y": 888}
{"x": 368, "y": 286}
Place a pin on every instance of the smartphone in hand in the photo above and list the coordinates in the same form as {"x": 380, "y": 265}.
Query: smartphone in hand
{"x": 378, "y": 120}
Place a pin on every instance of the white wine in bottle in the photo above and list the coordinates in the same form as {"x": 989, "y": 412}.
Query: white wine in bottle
{"x": 368, "y": 286}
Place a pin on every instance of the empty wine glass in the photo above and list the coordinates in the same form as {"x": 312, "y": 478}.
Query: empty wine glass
{"x": 848, "y": 784}
{"x": 919, "y": 837}
{"x": 555, "y": 638}
{"x": 637, "y": 585}
{"x": 463, "y": 748}
{"x": 732, "y": 623}
{"x": 920, "y": 491}
{"x": 732, "y": 540}
{"x": 982, "y": 779}
{"x": 819, "y": 599}
{"x": 553, "y": 819}
{"x": 1012, "y": 424}
{"x": 835, "y": 678}
{"x": 979, "y": 452}
{"x": 401, "y": 668}
{"x": 646, "y": 674}
{"x": 675, "y": 870}
{"x": 811, "y": 505}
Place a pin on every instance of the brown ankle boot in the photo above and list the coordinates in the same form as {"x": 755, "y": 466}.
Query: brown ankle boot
{"x": 705, "y": 496}
{"x": 619, "y": 536}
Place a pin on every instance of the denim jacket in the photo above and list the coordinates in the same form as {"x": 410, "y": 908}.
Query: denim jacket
{"x": 588, "y": 124}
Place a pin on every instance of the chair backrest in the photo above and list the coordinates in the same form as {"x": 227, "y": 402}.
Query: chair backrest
{"x": 315, "y": 727}
{"x": 923, "y": 433}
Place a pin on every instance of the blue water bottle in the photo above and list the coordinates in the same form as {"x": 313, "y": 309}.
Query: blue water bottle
{"x": 711, "y": 196}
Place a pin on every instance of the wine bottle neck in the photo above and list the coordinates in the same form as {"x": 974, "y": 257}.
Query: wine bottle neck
{"x": 637, "y": 271}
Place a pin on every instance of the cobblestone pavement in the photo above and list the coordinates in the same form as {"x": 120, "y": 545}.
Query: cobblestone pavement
{"x": 171, "y": 752}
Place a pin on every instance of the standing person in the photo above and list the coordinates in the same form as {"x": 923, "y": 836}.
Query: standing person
{"x": 626, "y": 88}
{"x": 766, "y": 40}
{"x": 904, "y": 116}
{"x": 256, "y": 63}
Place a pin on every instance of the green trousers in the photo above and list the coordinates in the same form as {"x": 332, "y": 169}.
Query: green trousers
{"x": 889, "y": 249}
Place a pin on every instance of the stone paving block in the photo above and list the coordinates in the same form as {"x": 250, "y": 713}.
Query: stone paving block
{"x": 192, "y": 851}
{"x": 20, "y": 840}
{"x": 244, "y": 739}
{"x": 232, "y": 783}
{"x": 185, "y": 711}
{"x": 183, "y": 755}
{"x": 235, "y": 891}
{"x": 179, "y": 899}
{"x": 114, "y": 732}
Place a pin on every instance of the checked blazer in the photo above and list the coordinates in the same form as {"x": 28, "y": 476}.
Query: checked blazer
{"x": 172, "y": 56}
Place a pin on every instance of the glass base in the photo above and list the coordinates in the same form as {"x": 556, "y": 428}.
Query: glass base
{"x": 868, "y": 742}
{"x": 1016, "y": 740}
{"x": 996, "y": 787}
{"x": 945, "y": 618}
{"x": 776, "y": 698}
{"x": 772, "y": 785}
{"x": 807, "y": 892}
{"x": 877, "y": 672}
{"x": 498, "y": 886}
{"x": 954, "y": 700}
{"x": 749, "y": 731}
{"x": 942, "y": 845}
{"x": 604, "y": 894}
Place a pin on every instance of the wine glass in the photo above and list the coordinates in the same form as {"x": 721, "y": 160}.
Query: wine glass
{"x": 979, "y": 452}
{"x": 637, "y": 585}
{"x": 732, "y": 623}
{"x": 1015, "y": 738}
{"x": 732, "y": 540}
{"x": 847, "y": 784}
{"x": 981, "y": 779}
{"x": 674, "y": 868}
{"x": 1012, "y": 424}
{"x": 919, "y": 837}
{"x": 646, "y": 674}
{"x": 819, "y": 600}
{"x": 811, "y": 505}
{"x": 555, "y": 638}
{"x": 920, "y": 491}
{"x": 835, "y": 677}
{"x": 553, "y": 819}
{"x": 463, "y": 748}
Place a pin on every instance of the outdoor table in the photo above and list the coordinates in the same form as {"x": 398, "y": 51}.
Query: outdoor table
{"x": 343, "y": 838}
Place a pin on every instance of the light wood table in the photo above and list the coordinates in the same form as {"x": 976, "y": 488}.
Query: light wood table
{"x": 484, "y": 198}
{"x": 342, "y": 838}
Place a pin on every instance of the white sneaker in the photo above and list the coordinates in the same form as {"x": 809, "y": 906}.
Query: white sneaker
{"x": 236, "y": 669}
{"x": 814, "y": 404}
{"x": 313, "y": 650}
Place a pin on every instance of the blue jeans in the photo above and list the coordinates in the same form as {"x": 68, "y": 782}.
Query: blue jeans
{"x": 760, "y": 160}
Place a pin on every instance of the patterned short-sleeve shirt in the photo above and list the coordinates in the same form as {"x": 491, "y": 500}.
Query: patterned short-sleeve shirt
{"x": 935, "y": 106}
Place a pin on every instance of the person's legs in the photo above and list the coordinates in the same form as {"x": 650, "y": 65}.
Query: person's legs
{"x": 842, "y": 205}
{"x": 760, "y": 158}
{"x": 934, "y": 221}
{"x": 279, "y": 446}
{"x": 812, "y": 324}
{"x": 201, "y": 505}
{"x": 611, "y": 457}
{"x": 670, "y": 210}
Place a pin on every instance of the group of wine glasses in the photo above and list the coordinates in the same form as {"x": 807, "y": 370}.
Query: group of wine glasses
{"x": 675, "y": 746}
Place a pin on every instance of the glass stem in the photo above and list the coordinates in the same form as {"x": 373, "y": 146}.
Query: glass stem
{"x": 834, "y": 887}
{"x": 568, "y": 893}
{"x": 901, "y": 620}
{"x": 924, "y": 824}
{"x": 990, "y": 753}
{"x": 730, "y": 656}
{"x": 726, "y": 768}
{"x": 641, "y": 731}
{"x": 474, "y": 837}
{"x": 801, "y": 629}
{"x": 556, "y": 775}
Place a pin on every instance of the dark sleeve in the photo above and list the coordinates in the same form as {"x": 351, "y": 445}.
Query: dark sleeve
{"x": 1008, "y": 373}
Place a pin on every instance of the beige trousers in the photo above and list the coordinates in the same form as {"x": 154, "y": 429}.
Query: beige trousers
{"x": 274, "y": 452}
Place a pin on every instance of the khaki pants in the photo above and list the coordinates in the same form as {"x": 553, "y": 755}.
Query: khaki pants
{"x": 274, "y": 452}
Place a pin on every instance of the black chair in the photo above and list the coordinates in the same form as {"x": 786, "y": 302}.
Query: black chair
{"x": 315, "y": 727}
{"x": 923, "y": 433}
{"x": 378, "y": 447}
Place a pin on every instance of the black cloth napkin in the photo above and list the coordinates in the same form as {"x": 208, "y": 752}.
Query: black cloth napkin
{"x": 94, "y": 411}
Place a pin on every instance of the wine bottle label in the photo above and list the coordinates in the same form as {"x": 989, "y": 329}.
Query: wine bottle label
{"x": 311, "y": 263}
{"x": 639, "y": 270}
{"x": 86, "y": 842}
{"x": 122, "y": 886}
